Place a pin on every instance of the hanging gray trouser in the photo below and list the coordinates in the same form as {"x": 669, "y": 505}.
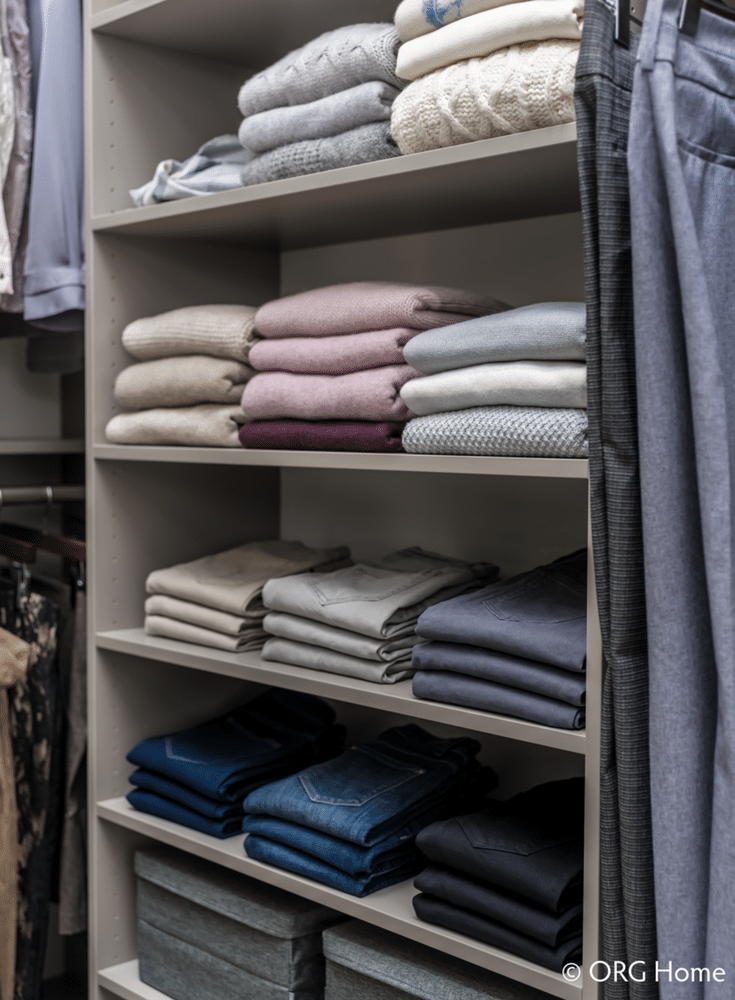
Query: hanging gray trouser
{"x": 681, "y": 159}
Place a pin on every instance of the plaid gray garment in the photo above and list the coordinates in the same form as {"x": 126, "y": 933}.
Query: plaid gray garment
{"x": 217, "y": 166}
{"x": 511, "y": 431}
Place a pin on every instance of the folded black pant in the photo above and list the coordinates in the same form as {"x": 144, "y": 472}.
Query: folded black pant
{"x": 436, "y": 911}
{"x": 501, "y": 907}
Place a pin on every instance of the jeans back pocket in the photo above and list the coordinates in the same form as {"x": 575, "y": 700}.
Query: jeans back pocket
{"x": 355, "y": 778}
{"x": 541, "y": 599}
{"x": 366, "y": 583}
{"x": 512, "y": 836}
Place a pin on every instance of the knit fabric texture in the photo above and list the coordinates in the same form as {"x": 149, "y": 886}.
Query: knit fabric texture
{"x": 182, "y": 381}
{"x": 332, "y": 115}
{"x": 511, "y": 431}
{"x": 221, "y": 331}
{"x": 419, "y": 17}
{"x": 332, "y": 62}
{"x": 484, "y": 33}
{"x": 351, "y": 352}
{"x": 208, "y": 426}
{"x": 517, "y": 89}
{"x": 359, "y": 145}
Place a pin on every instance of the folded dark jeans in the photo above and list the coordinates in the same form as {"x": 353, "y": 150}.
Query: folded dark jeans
{"x": 472, "y": 692}
{"x": 502, "y": 668}
{"x": 370, "y": 790}
{"x": 157, "y": 805}
{"x": 540, "y": 615}
{"x": 436, "y": 911}
{"x": 221, "y": 758}
{"x": 322, "y": 435}
{"x": 149, "y": 781}
{"x": 531, "y": 845}
{"x": 501, "y": 907}
{"x": 261, "y": 849}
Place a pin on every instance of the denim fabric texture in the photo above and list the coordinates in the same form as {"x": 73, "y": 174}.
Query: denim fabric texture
{"x": 531, "y": 845}
{"x": 682, "y": 129}
{"x": 372, "y": 790}
{"x": 473, "y": 692}
{"x": 261, "y": 849}
{"x": 502, "y": 907}
{"x": 502, "y": 668}
{"x": 157, "y": 805}
{"x": 149, "y": 781}
{"x": 381, "y": 599}
{"x": 546, "y": 331}
{"x": 436, "y": 911}
{"x": 541, "y": 615}
{"x": 219, "y": 759}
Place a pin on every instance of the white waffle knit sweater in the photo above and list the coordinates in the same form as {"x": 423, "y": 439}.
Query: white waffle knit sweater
{"x": 516, "y": 89}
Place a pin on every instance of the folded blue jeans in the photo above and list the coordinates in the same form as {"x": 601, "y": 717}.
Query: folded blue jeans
{"x": 261, "y": 849}
{"x": 371, "y": 790}
{"x": 540, "y": 615}
{"x": 149, "y": 781}
{"x": 221, "y": 758}
{"x": 157, "y": 805}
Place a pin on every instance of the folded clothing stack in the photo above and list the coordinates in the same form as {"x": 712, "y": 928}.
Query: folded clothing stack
{"x": 517, "y": 647}
{"x": 511, "y": 875}
{"x": 511, "y": 384}
{"x": 330, "y": 363}
{"x": 359, "y": 621}
{"x": 351, "y": 822}
{"x": 323, "y": 106}
{"x": 190, "y": 377}
{"x": 199, "y": 777}
{"x": 218, "y": 600}
{"x": 483, "y": 68}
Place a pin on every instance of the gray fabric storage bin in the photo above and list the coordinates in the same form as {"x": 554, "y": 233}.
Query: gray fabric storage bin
{"x": 367, "y": 963}
{"x": 188, "y": 908}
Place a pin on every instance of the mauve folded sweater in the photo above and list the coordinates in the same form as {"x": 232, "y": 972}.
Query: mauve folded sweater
{"x": 351, "y": 352}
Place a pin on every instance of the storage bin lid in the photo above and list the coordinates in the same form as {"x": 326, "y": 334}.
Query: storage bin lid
{"x": 416, "y": 969}
{"x": 254, "y": 904}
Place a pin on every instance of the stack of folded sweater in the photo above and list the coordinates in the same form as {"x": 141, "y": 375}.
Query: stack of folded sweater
{"x": 360, "y": 621}
{"x": 192, "y": 373}
{"x": 323, "y": 106}
{"x": 483, "y": 68}
{"x": 517, "y": 647}
{"x": 331, "y": 363}
{"x": 199, "y": 777}
{"x": 511, "y": 875}
{"x": 351, "y": 822}
{"x": 511, "y": 384}
{"x": 217, "y": 600}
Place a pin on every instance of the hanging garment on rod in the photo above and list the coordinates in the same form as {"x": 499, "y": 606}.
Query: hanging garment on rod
{"x": 13, "y": 666}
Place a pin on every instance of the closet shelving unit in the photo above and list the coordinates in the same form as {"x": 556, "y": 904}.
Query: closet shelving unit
{"x": 161, "y": 78}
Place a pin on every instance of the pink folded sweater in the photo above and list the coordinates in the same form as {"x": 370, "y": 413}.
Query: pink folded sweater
{"x": 366, "y": 395}
{"x": 360, "y": 306}
{"x": 351, "y": 352}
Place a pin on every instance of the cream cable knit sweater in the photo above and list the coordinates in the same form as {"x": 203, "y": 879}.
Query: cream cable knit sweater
{"x": 520, "y": 88}
{"x": 484, "y": 33}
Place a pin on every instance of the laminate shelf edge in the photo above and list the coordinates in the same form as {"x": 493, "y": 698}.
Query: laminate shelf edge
{"x": 546, "y": 468}
{"x": 124, "y": 981}
{"x": 490, "y": 180}
{"x": 389, "y": 908}
{"x": 396, "y": 698}
{"x": 42, "y": 446}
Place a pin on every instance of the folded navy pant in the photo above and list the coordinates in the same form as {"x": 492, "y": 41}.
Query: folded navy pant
{"x": 501, "y": 668}
{"x": 540, "y": 615}
{"x": 372, "y": 790}
{"x": 502, "y": 907}
{"x": 149, "y": 781}
{"x": 436, "y": 911}
{"x": 457, "y": 689}
{"x": 531, "y": 846}
{"x": 157, "y": 805}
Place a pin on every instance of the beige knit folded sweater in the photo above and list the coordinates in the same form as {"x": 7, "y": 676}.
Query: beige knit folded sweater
{"x": 184, "y": 381}
{"x": 221, "y": 331}
{"x": 516, "y": 89}
{"x": 208, "y": 426}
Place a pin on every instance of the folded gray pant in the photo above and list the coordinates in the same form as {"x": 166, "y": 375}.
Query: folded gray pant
{"x": 338, "y": 639}
{"x": 547, "y": 331}
{"x": 501, "y": 383}
{"x": 381, "y": 598}
{"x": 172, "y": 628}
{"x": 331, "y": 115}
{"x": 301, "y": 654}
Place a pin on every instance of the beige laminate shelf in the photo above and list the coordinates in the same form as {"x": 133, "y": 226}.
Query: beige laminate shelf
{"x": 389, "y": 908}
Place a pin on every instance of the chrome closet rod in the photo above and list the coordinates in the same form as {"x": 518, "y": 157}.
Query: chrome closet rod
{"x": 16, "y": 495}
